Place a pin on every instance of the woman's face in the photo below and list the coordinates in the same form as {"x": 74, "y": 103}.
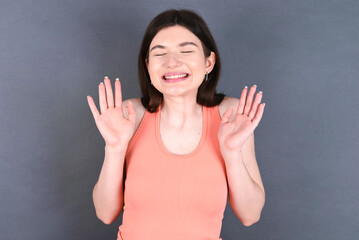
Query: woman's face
{"x": 176, "y": 62}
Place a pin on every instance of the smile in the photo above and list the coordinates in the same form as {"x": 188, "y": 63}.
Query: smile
{"x": 175, "y": 77}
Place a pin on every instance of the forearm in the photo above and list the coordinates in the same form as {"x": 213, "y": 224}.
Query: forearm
{"x": 108, "y": 191}
{"x": 245, "y": 196}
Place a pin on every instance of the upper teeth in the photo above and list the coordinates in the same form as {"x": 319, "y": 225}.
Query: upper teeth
{"x": 176, "y": 76}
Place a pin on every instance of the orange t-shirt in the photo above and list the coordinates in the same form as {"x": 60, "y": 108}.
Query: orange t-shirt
{"x": 169, "y": 196}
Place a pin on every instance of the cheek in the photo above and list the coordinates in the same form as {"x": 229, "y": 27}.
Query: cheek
{"x": 155, "y": 63}
{"x": 152, "y": 68}
{"x": 196, "y": 62}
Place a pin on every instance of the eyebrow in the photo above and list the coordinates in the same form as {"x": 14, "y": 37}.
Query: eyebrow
{"x": 180, "y": 45}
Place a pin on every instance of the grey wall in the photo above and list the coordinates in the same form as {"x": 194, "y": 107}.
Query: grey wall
{"x": 302, "y": 54}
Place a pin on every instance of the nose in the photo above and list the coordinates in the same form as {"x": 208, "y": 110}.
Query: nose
{"x": 172, "y": 60}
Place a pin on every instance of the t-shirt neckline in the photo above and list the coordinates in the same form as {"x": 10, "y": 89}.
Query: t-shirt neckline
{"x": 199, "y": 146}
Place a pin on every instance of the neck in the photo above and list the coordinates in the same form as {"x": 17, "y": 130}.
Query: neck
{"x": 180, "y": 111}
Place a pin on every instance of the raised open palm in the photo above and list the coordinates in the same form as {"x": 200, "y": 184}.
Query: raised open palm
{"x": 233, "y": 134}
{"x": 114, "y": 127}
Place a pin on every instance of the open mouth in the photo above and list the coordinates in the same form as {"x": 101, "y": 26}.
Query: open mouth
{"x": 175, "y": 77}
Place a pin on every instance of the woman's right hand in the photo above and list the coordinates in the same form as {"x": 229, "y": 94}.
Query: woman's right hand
{"x": 115, "y": 128}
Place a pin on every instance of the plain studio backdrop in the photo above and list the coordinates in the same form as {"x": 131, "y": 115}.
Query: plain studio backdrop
{"x": 303, "y": 55}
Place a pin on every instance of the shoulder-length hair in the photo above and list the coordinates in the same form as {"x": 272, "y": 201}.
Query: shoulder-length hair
{"x": 207, "y": 95}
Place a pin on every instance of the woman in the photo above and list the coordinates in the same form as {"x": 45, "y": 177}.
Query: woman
{"x": 172, "y": 156}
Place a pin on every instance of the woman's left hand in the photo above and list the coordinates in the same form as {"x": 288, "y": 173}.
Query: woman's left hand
{"x": 232, "y": 135}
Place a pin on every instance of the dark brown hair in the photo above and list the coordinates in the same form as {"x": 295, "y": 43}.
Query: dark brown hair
{"x": 207, "y": 95}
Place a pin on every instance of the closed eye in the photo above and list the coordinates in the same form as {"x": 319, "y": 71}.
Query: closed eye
{"x": 186, "y": 51}
{"x": 160, "y": 54}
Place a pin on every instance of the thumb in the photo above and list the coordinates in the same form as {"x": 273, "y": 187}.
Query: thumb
{"x": 131, "y": 112}
{"x": 227, "y": 115}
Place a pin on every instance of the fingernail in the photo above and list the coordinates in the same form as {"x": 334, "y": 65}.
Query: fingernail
{"x": 101, "y": 82}
{"x": 264, "y": 104}
{"x": 261, "y": 92}
{"x": 255, "y": 85}
{"x": 117, "y": 79}
{"x": 246, "y": 87}
{"x": 106, "y": 77}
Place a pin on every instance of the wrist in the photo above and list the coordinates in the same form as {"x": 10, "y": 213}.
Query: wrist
{"x": 122, "y": 148}
{"x": 231, "y": 155}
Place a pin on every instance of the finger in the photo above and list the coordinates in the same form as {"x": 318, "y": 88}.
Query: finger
{"x": 226, "y": 116}
{"x": 259, "y": 114}
{"x": 242, "y": 100}
{"x": 256, "y": 103}
{"x": 249, "y": 101}
{"x": 102, "y": 97}
{"x": 109, "y": 93}
{"x": 118, "y": 94}
{"x": 131, "y": 112}
{"x": 93, "y": 107}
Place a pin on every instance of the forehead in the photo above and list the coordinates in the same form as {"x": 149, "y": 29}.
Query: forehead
{"x": 174, "y": 35}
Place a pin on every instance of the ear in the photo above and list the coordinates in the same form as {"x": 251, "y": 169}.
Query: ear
{"x": 146, "y": 63}
{"x": 210, "y": 61}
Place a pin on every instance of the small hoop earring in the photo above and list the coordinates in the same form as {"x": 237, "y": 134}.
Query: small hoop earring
{"x": 206, "y": 78}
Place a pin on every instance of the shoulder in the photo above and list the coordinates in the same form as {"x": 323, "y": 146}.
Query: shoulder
{"x": 226, "y": 103}
{"x": 140, "y": 110}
